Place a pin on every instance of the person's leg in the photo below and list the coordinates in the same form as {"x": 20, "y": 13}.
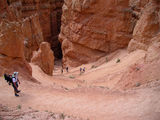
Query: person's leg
{"x": 17, "y": 87}
{"x": 15, "y": 90}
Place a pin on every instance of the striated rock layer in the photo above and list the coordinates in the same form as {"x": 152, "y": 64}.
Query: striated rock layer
{"x": 147, "y": 25}
{"x": 44, "y": 58}
{"x": 18, "y": 38}
{"x": 92, "y": 28}
{"x": 12, "y": 49}
{"x": 33, "y": 35}
{"x": 49, "y": 12}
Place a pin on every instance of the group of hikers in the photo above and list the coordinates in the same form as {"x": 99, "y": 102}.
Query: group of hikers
{"x": 66, "y": 70}
{"x": 14, "y": 81}
{"x": 82, "y": 70}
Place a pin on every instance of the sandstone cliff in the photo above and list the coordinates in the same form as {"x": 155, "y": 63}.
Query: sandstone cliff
{"x": 15, "y": 32}
{"x": 49, "y": 12}
{"x": 147, "y": 26}
{"x": 92, "y": 28}
{"x": 32, "y": 35}
{"x": 12, "y": 48}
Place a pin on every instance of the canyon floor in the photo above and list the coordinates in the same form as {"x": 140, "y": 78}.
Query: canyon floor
{"x": 93, "y": 95}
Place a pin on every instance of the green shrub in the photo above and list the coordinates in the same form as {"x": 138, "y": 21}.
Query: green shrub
{"x": 71, "y": 76}
{"x": 66, "y": 88}
{"x": 19, "y": 107}
{"x": 118, "y": 60}
{"x": 138, "y": 84}
{"x": 106, "y": 59}
{"x": 36, "y": 110}
{"x": 34, "y": 117}
{"x": 101, "y": 86}
{"x": 93, "y": 66}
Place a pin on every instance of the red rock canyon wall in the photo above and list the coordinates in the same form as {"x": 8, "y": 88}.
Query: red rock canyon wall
{"x": 92, "y": 28}
{"x": 49, "y": 12}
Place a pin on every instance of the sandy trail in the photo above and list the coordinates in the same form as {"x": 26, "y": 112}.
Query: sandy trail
{"x": 140, "y": 104}
{"x": 76, "y": 97}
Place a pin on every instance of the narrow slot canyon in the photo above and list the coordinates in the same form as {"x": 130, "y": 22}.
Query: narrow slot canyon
{"x": 49, "y": 12}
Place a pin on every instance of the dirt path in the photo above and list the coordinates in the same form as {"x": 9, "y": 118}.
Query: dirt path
{"x": 92, "y": 103}
{"x": 62, "y": 94}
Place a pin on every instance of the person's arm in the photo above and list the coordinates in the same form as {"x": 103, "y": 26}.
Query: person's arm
{"x": 18, "y": 81}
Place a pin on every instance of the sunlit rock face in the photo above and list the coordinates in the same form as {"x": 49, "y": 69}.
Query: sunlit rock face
{"x": 92, "y": 28}
{"x": 44, "y": 58}
{"x": 147, "y": 25}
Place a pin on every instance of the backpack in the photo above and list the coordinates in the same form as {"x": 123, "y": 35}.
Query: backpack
{"x": 8, "y": 79}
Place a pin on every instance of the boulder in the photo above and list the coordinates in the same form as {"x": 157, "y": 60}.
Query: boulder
{"x": 44, "y": 58}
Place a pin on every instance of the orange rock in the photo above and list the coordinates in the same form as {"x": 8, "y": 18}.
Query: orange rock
{"x": 97, "y": 26}
{"x": 12, "y": 49}
{"x": 49, "y": 13}
{"x": 146, "y": 27}
{"x": 33, "y": 35}
{"x": 12, "y": 41}
{"x": 44, "y": 58}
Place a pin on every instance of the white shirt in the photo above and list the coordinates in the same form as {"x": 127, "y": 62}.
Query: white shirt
{"x": 14, "y": 79}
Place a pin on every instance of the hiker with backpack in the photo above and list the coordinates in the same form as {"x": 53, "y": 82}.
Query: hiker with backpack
{"x": 15, "y": 81}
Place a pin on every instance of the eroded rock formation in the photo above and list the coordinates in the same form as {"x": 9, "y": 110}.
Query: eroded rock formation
{"x": 147, "y": 26}
{"x": 49, "y": 12}
{"x": 12, "y": 48}
{"x": 92, "y": 28}
{"x": 15, "y": 32}
{"x": 44, "y": 58}
{"x": 32, "y": 35}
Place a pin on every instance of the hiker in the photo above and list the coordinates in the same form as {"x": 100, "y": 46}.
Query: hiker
{"x": 84, "y": 69}
{"x": 15, "y": 81}
{"x": 80, "y": 70}
{"x": 10, "y": 79}
{"x": 67, "y": 69}
{"x": 62, "y": 71}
